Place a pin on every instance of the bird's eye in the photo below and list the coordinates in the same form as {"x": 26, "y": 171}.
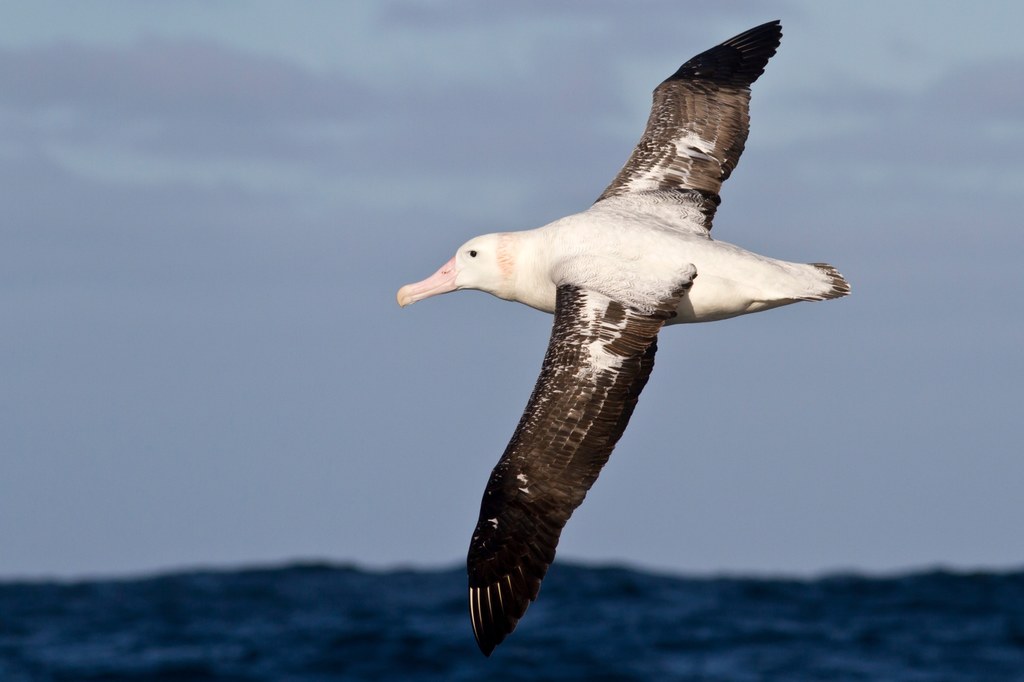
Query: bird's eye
{"x": 472, "y": 254}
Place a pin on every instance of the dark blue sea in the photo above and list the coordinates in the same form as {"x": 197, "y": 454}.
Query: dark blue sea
{"x": 321, "y": 622}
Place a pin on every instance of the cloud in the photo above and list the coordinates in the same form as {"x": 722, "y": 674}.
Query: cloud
{"x": 159, "y": 79}
{"x": 608, "y": 15}
{"x": 242, "y": 137}
{"x": 184, "y": 99}
{"x": 194, "y": 111}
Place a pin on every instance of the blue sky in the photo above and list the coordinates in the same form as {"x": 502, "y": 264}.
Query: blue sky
{"x": 208, "y": 209}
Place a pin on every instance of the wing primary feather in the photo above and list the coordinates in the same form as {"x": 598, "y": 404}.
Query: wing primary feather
{"x": 738, "y": 61}
{"x": 474, "y": 617}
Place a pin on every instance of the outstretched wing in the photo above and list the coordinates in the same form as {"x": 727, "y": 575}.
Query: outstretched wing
{"x": 699, "y": 122}
{"x": 598, "y": 360}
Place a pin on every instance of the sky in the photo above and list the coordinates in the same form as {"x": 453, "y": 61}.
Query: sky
{"x": 207, "y": 208}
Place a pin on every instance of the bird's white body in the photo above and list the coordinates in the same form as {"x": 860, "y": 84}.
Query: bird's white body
{"x": 633, "y": 248}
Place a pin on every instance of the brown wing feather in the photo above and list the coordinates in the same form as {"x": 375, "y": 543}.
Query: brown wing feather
{"x": 699, "y": 122}
{"x": 577, "y": 412}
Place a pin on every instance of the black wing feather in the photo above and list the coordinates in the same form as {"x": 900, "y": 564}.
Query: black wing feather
{"x": 575, "y": 416}
{"x": 699, "y": 123}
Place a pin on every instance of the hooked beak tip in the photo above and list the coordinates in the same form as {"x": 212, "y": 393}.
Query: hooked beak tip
{"x": 441, "y": 282}
{"x": 404, "y": 297}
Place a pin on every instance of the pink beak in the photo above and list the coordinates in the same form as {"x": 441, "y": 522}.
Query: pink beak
{"x": 441, "y": 282}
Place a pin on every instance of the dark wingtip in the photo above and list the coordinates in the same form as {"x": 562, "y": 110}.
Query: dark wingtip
{"x": 738, "y": 61}
{"x": 492, "y": 623}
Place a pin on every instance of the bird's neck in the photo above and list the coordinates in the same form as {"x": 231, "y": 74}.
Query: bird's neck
{"x": 524, "y": 260}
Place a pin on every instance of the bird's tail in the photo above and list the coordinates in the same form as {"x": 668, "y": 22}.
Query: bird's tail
{"x": 834, "y": 285}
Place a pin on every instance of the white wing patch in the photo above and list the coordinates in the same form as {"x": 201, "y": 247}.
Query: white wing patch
{"x": 688, "y": 145}
{"x": 692, "y": 144}
{"x": 600, "y": 359}
{"x": 594, "y": 356}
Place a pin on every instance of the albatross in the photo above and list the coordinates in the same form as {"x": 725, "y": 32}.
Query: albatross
{"x": 640, "y": 258}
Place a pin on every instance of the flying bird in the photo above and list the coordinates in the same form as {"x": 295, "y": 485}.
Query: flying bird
{"x": 641, "y": 257}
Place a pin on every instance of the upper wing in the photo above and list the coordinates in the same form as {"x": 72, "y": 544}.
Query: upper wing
{"x": 598, "y": 360}
{"x": 699, "y": 123}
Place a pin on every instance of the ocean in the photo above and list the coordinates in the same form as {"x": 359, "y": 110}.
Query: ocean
{"x": 321, "y": 622}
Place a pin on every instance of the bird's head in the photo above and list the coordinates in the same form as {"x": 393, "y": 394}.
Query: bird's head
{"x": 484, "y": 263}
